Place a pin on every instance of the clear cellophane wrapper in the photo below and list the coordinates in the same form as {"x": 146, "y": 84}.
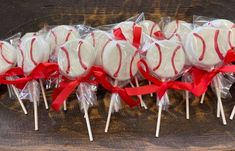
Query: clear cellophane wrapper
{"x": 164, "y": 101}
{"x": 86, "y": 92}
{"x": 31, "y": 91}
{"x": 223, "y": 80}
{"x": 81, "y": 29}
{"x": 137, "y": 18}
{"x": 86, "y": 95}
{"x": 117, "y": 105}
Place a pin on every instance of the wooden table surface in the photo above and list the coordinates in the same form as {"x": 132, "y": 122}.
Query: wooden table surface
{"x": 130, "y": 129}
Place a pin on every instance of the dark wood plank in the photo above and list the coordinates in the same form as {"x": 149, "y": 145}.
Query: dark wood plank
{"x": 24, "y": 16}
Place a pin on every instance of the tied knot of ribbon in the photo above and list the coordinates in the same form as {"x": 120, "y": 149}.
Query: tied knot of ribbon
{"x": 157, "y": 86}
{"x": 202, "y": 79}
{"x": 41, "y": 71}
{"x": 99, "y": 77}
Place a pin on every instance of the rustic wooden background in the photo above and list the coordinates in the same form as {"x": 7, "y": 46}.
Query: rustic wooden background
{"x": 129, "y": 129}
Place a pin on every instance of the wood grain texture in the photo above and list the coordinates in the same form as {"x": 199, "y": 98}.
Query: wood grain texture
{"x": 25, "y": 16}
{"x": 130, "y": 129}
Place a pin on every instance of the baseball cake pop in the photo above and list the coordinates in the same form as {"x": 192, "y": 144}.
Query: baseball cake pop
{"x": 75, "y": 58}
{"x": 32, "y": 51}
{"x": 206, "y": 48}
{"x": 120, "y": 62}
{"x": 166, "y": 59}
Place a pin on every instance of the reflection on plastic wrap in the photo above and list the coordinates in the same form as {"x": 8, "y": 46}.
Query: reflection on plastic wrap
{"x": 31, "y": 91}
{"x": 117, "y": 105}
{"x": 53, "y": 82}
{"x": 164, "y": 101}
{"x": 225, "y": 81}
{"x": 86, "y": 95}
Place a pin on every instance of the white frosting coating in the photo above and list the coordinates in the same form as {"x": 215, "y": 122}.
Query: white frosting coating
{"x": 206, "y": 46}
{"x": 75, "y": 57}
{"x": 166, "y": 58}
{"x": 149, "y": 27}
{"x": 99, "y": 39}
{"x": 220, "y": 23}
{"x": 127, "y": 28}
{"x": 7, "y": 56}
{"x": 120, "y": 60}
{"x": 226, "y": 25}
{"x": 32, "y": 51}
{"x": 59, "y": 35}
{"x": 177, "y": 30}
{"x": 27, "y": 35}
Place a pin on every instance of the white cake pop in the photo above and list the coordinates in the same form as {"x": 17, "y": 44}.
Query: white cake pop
{"x": 32, "y": 51}
{"x": 7, "y": 56}
{"x": 75, "y": 57}
{"x": 99, "y": 39}
{"x": 59, "y": 35}
{"x": 120, "y": 60}
{"x": 149, "y": 27}
{"x": 166, "y": 58}
{"x": 224, "y": 24}
{"x": 177, "y": 30}
{"x": 206, "y": 46}
{"x": 127, "y": 28}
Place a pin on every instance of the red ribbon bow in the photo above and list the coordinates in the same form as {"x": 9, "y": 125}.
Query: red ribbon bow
{"x": 42, "y": 70}
{"x": 202, "y": 79}
{"x": 67, "y": 87}
{"x": 158, "y": 86}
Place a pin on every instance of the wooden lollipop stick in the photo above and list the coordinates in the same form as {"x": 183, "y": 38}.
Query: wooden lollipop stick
{"x": 159, "y": 118}
{"x": 110, "y": 110}
{"x": 232, "y": 114}
{"x": 220, "y": 105}
{"x": 87, "y": 121}
{"x": 202, "y": 98}
{"x": 65, "y": 106}
{"x": 187, "y": 104}
{"x": 19, "y": 99}
{"x": 35, "y": 106}
{"x": 33, "y": 93}
{"x": 9, "y": 90}
{"x": 140, "y": 96}
{"x": 218, "y": 109}
{"x": 151, "y": 94}
{"x": 43, "y": 93}
{"x": 17, "y": 96}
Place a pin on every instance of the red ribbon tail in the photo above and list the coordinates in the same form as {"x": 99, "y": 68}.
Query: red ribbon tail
{"x": 62, "y": 93}
{"x": 159, "y": 35}
{"x": 137, "y": 32}
{"x": 118, "y": 34}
